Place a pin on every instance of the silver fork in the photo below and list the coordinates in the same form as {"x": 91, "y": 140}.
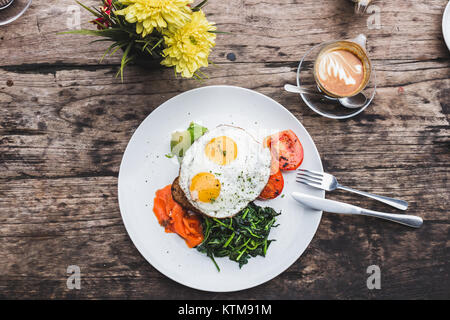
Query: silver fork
{"x": 328, "y": 182}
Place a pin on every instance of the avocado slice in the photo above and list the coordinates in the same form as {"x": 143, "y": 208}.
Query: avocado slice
{"x": 180, "y": 142}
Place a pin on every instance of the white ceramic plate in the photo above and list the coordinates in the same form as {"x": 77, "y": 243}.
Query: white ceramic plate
{"x": 446, "y": 25}
{"x": 145, "y": 169}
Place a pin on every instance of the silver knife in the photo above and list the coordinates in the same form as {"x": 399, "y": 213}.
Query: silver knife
{"x": 345, "y": 208}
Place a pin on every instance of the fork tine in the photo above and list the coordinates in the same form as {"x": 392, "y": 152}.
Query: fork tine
{"x": 302, "y": 174}
{"x": 309, "y": 182}
{"x": 310, "y": 171}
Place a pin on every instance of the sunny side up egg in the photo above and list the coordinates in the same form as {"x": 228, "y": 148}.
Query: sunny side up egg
{"x": 224, "y": 170}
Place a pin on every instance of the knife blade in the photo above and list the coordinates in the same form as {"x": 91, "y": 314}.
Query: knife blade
{"x": 345, "y": 208}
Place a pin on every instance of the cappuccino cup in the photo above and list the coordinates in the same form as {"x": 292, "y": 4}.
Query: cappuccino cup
{"x": 342, "y": 68}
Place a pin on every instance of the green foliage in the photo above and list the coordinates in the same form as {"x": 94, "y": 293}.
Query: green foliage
{"x": 123, "y": 36}
{"x": 241, "y": 237}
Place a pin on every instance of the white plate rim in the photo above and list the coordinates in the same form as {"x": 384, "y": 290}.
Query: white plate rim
{"x": 128, "y": 226}
{"x": 446, "y": 22}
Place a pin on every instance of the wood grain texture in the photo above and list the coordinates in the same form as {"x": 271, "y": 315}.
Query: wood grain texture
{"x": 65, "y": 122}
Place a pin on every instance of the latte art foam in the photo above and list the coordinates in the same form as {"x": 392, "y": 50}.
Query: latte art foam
{"x": 340, "y": 72}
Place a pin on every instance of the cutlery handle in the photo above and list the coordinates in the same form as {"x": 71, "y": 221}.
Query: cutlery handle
{"x": 295, "y": 89}
{"x": 345, "y": 208}
{"x": 396, "y": 203}
{"x": 405, "y": 219}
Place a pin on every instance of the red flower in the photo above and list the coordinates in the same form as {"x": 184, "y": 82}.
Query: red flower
{"x": 104, "y": 22}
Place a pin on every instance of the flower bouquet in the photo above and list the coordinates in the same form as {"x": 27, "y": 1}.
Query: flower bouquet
{"x": 174, "y": 33}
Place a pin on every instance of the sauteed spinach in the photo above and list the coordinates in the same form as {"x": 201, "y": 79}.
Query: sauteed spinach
{"x": 241, "y": 237}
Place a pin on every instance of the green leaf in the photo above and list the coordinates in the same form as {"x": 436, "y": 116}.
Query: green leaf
{"x": 83, "y": 31}
{"x": 100, "y": 24}
{"x": 89, "y": 9}
{"x": 157, "y": 44}
{"x": 107, "y": 51}
{"x": 99, "y": 40}
{"x": 115, "y": 50}
{"x": 125, "y": 59}
{"x": 199, "y": 6}
{"x": 219, "y": 32}
{"x": 241, "y": 237}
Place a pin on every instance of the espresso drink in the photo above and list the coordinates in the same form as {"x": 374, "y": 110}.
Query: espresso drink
{"x": 342, "y": 69}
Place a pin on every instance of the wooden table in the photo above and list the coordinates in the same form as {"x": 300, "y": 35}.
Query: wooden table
{"x": 65, "y": 122}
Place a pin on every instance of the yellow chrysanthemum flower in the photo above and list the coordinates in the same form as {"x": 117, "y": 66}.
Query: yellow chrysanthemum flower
{"x": 150, "y": 14}
{"x": 188, "y": 47}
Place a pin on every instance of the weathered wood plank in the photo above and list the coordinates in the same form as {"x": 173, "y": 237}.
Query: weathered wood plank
{"x": 79, "y": 214}
{"x": 54, "y": 223}
{"x": 260, "y": 31}
{"x": 71, "y": 118}
{"x": 66, "y": 122}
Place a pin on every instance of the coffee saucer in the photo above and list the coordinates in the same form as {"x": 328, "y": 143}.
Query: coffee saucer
{"x": 327, "y": 106}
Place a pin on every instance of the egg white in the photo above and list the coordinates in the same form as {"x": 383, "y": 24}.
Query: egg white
{"x": 242, "y": 180}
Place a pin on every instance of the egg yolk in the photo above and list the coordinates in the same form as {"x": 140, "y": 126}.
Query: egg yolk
{"x": 205, "y": 187}
{"x": 221, "y": 150}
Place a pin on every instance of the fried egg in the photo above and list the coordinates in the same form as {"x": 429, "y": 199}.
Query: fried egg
{"x": 224, "y": 170}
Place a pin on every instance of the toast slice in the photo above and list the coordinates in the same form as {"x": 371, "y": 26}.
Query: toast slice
{"x": 179, "y": 197}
